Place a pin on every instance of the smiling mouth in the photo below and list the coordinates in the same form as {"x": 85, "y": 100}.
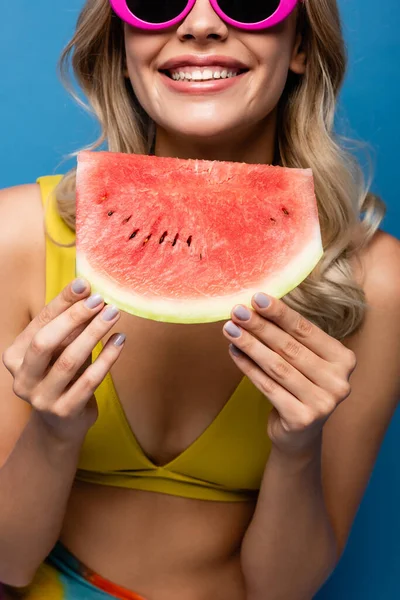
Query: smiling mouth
{"x": 199, "y": 74}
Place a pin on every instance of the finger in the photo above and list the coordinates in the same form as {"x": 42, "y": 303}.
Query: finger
{"x": 46, "y": 341}
{"x": 289, "y": 408}
{"x": 298, "y": 327}
{"x": 71, "y": 360}
{"x": 70, "y": 338}
{"x": 271, "y": 363}
{"x": 65, "y": 299}
{"x": 74, "y": 400}
{"x": 294, "y": 352}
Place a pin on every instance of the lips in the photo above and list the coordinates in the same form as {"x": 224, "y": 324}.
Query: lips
{"x": 191, "y": 60}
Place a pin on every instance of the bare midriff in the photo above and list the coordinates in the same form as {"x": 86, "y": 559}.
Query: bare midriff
{"x": 162, "y": 547}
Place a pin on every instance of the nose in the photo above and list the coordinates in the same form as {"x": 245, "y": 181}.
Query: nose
{"x": 202, "y": 24}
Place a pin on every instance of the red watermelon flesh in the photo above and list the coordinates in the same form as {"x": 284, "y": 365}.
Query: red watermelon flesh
{"x": 183, "y": 241}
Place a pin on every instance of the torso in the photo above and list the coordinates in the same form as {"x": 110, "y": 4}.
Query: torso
{"x": 172, "y": 381}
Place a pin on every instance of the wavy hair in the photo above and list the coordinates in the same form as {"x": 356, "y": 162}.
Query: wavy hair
{"x": 349, "y": 215}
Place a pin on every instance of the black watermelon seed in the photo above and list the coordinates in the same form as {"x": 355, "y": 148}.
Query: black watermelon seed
{"x": 133, "y": 234}
{"x": 189, "y": 240}
{"x": 284, "y": 210}
{"x": 127, "y": 219}
{"x": 175, "y": 239}
{"x": 111, "y": 213}
{"x": 162, "y": 238}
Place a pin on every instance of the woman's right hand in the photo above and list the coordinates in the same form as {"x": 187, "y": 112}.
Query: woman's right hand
{"x": 50, "y": 361}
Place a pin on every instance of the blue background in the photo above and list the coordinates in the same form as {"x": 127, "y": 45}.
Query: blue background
{"x": 39, "y": 125}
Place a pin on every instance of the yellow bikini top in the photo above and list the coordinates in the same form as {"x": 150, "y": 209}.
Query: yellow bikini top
{"x": 225, "y": 463}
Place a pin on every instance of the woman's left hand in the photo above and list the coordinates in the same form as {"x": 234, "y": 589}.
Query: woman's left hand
{"x": 302, "y": 370}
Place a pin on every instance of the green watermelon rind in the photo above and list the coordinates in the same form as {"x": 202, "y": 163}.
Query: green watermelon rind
{"x": 207, "y": 309}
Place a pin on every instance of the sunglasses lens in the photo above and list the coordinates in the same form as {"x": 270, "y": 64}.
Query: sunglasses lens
{"x": 249, "y": 11}
{"x": 156, "y": 11}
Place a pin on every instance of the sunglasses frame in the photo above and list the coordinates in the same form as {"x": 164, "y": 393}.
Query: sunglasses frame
{"x": 284, "y": 9}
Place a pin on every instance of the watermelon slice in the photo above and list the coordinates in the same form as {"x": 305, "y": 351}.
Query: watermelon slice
{"x": 183, "y": 241}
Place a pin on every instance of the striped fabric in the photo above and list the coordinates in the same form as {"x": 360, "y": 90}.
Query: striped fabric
{"x": 63, "y": 577}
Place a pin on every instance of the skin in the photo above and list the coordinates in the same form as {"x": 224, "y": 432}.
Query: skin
{"x": 237, "y": 124}
{"x": 304, "y": 372}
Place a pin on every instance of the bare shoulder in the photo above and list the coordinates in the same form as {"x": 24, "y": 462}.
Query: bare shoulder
{"x": 22, "y": 240}
{"x": 20, "y": 208}
{"x": 379, "y": 275}
{"x": 381, "y": 272}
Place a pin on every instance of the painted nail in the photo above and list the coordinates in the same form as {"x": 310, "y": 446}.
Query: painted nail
{"x": 235, "y": 351}
{"x": 232, "y": 330}
{"x": 262, "y": 300}
{"x": 79, "y": 286}
{"x": 242, "y": 313}
{"x": 94, "y": 301}
{"x": 119, "y": 340}
{"x": 110, "y": 313}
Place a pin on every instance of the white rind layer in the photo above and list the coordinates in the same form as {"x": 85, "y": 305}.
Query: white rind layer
{"x": 205, "y": 309}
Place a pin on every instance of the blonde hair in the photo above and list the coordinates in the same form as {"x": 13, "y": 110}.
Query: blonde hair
{"x": 349, "y": 216}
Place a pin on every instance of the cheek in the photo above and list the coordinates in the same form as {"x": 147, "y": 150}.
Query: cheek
{"x": 275, "y": 73}
{"x": 146, "y": 92}
{"x": 271, "y": 75}
{"x": 141, "y": 50}
{"x": 136, "y": 66}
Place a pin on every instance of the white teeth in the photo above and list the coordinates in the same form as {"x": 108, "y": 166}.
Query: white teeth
{"x": 207, "y": 74}
{"x": 203, "y": 75}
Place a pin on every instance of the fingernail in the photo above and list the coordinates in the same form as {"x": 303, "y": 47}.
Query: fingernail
{"x": 119, "y": 340}
{"x": 79, "y": 286}
{"x": 232, "y": 330}
{"x": 110, "y": 313}
{"x": 262, "y": 300}
{"x": 235, "y": 351}
{"x": 242, "y": 313}
{"x": 94, "y": 301}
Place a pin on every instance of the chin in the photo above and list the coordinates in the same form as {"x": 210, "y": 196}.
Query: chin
{"x": 202, "y": 130}
{"x": 201, "y": 134}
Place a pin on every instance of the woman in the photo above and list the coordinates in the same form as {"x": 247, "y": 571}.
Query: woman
{"x": 197, "y": 471}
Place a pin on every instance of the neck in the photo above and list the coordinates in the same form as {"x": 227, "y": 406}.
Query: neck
{"x": 255, "y": 145}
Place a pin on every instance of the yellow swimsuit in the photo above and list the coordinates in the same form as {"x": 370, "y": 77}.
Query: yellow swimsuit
{"x": 225, "y": 463}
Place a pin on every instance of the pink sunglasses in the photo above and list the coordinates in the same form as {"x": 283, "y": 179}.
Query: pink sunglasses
{"x": 249, "y": 15}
